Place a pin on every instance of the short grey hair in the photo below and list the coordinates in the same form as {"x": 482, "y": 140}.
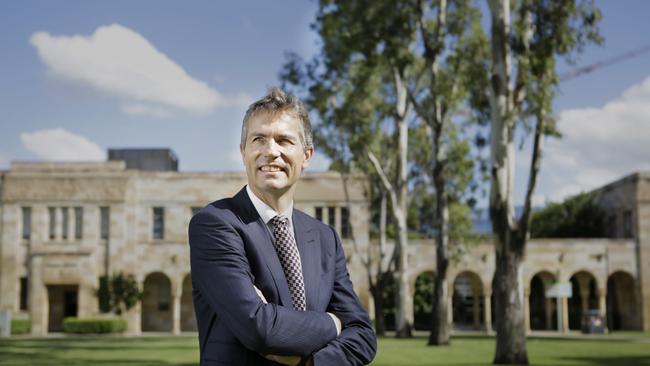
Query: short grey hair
{"x": 276, "y": 102}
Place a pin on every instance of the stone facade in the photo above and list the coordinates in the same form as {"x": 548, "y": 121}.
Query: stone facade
{"x": 63, "y": 225}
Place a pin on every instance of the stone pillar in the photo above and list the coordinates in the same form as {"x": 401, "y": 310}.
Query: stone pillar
{"x": 602, "y": 305}
{"x": 38, "y": 299}
{"x": 527, "y": 310}
{"x": 450, "y": 311}
{"x": 176, "y": 313}
{"x": 487, "y": 312}
{"x": 565, "y": 315}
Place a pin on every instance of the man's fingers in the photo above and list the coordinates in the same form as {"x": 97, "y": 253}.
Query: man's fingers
{"x": 285, "y": 360}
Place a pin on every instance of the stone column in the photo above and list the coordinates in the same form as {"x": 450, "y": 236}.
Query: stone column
{"x": 487, "y": 312}
{"x": 602, "y": 305}
{"x": 450, "y": 311}
{"x": 38, "y": 300}
{"x": 565, "y": 315}
{"x": 527, "y": 310}
{"x": 176, "y": 313}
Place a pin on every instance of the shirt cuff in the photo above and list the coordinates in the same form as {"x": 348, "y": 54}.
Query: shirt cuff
{"x": 337, "y": 323}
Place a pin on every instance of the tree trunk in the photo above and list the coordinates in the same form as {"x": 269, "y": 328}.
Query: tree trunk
{"x": 404, "y": 311}
{"x": 440, "y": 324}
{"x": 509, "y": 243}
{"x": 377, "y": 291}
{"x": 509, "y": 310}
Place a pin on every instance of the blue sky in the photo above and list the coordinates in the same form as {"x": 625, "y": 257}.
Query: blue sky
{"x": 78, "y": 77}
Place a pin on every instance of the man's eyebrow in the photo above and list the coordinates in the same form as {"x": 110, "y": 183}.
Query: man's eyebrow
{"x": 286, "y": 136}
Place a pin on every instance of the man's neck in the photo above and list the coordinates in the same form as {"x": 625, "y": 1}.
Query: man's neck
{"x": 280, "y": 202}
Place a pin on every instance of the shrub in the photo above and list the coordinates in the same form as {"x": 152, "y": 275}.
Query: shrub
{"x": 21, "y": 326}
{"x": 90, "y": 326}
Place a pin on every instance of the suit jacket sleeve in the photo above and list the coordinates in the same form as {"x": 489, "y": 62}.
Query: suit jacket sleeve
{"x": 222, "y": 274}
{"x": 357, "y": 343}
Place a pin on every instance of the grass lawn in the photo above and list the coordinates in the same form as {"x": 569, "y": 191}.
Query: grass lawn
{"x": 470, "y": 350}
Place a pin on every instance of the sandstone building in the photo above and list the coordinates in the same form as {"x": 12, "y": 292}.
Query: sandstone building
{"x": 63, "y": 225}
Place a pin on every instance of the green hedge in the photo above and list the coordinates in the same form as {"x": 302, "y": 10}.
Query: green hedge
{"x": 87, "y": 326}
{"x": 21, "y": 326}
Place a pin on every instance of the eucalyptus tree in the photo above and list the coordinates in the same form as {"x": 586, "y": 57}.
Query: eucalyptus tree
{"x": 523, "y": 83}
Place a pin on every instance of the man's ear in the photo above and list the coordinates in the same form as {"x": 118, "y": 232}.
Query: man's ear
{"x": 309, "y": 152}
{"x": 241, "y": 150}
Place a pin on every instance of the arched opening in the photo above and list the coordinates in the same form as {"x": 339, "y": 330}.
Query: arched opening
{"x": 622, "y": 307}
{"x": 543, "y": 310}
{"x": 583, "y": 299}
{"x": 388, "y": 301}
{"x": 188, "y": 317}
{"x": 423, "y": 301}
{"x": 156, "y": 303}
{"x": 467, "y": 302}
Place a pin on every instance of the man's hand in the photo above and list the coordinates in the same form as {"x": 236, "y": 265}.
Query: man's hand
{"x": 285, "y": 360}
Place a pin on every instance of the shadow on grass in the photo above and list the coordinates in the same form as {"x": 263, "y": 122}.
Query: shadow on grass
{"x": 611, "y": 360}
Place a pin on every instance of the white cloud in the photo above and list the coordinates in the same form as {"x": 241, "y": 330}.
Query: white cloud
{"x": 121, "y": 62}
{"x": 59, "y": 144}
{"x": 599, "y": 145}
{"x": 146, "y": 110}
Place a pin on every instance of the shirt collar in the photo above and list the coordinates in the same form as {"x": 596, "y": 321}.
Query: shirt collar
{"x": 265, "y": 211}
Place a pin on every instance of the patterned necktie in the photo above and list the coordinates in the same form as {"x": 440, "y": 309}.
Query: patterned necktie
{"x": 287, "y": 250}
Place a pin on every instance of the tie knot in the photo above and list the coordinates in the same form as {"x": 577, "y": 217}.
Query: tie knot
{"x": 280, "y": 220}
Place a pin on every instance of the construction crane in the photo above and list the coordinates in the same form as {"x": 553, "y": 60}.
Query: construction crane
{"x": 572, "y": 74}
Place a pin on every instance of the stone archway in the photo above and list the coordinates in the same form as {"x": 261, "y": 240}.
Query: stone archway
{"x": 157, "y": 303}
{"x": 585, "y": 297}
{"x": 622, "y": 307}
{"x": 468, "y": 302}
{"x": 188, "y": 317}
{"x": 423, "y": 300}
{"x": 543, "y": 310}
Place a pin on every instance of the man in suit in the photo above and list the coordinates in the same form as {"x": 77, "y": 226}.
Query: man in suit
{"x": 270, "y": 283}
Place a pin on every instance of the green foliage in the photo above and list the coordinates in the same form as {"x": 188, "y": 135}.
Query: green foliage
{"x": 21, "y": 326}
{"x": 118, "y": 293}
{"x": 93, "y": 326}
{"x": 576, "y": 217}
{"x": 422, "y": 300}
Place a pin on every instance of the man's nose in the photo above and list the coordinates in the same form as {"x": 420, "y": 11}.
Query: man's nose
{"x": 271, "y": 148}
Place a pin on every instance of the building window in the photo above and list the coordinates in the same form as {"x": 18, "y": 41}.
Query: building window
{"x": 104, "y": 222}
{"x": 78, "y": 222}
{"x": 627, "y": 224}
{"x": 23, "y": 293}
{"x": 319, "y": 213}
{"x": 611, "y": 226}
{"x": 52, "y": 228}
{"x": 65, "y": 222}
{"x": 27, "y": 222}
{"x": 331, "y": 216}
{"x": 346, "y": 228}
{"x": 158, "y": 222}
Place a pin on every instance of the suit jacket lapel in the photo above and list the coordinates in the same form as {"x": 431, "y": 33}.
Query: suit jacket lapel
{"x": 264, "y": 242}
{"x": 309, "y": 247}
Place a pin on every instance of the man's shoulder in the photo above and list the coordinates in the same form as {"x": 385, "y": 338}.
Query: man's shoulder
{"x": 226, "y": 209}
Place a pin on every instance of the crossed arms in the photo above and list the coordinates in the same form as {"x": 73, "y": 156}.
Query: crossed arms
{"x": 217, "y": 252}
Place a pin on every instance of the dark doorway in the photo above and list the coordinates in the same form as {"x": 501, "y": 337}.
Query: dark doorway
{"x": 63, "y": 303}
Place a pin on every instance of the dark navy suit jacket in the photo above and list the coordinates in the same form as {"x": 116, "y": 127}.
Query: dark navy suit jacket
{"x": 231, "y": 249}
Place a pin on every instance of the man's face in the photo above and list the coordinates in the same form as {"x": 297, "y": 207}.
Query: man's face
{"x": 274, "y": 154}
